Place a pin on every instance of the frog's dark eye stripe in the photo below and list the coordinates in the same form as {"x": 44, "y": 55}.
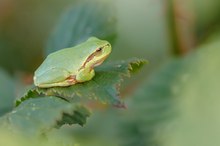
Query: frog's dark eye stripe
{"x": 99, "y": 49}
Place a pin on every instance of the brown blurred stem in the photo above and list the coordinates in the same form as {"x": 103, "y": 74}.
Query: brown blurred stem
{"x": 181, "y": 26}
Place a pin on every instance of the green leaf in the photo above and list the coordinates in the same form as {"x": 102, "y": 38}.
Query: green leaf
{"x": 104, "y": 87}
{"x": 39, "y": 115}
{"x": 197, "y": 101}
{"x": 6, "y": 93}
{"x": 178, "y": 105}
{"x": 86, "y": 19}
{"x": 150, "y": 106}
{"x": 32, "y": 93}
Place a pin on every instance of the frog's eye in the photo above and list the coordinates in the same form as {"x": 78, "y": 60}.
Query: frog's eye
{"x": 99, "y": 50}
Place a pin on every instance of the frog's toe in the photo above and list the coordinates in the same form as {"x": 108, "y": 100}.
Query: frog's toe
{"x": 71, "y": 79}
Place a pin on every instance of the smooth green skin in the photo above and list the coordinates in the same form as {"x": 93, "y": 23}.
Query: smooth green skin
{"x": 67, "y": 66}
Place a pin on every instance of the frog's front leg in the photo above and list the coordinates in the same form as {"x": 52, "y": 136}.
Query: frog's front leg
{"x": 85, "y": 74}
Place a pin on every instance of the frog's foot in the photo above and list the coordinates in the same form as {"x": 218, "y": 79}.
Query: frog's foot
{"x": 71, "y": 79}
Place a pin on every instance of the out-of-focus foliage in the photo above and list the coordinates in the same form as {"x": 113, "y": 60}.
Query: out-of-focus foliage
{"x": 198, "y": 100}
{"x": 81, "y": 22}
{"x": 207, "y": 16}
{"x": 24, "y": 29}
{"x": 7, "y": 93}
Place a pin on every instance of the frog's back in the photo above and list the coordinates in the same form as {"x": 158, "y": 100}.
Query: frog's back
{"x": 70, "y": 59}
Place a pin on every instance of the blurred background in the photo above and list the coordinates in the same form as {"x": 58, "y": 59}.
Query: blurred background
{"x": 26, "y": 26}
{"x": 146, "y": 28}
{"x": 174, "y": 100}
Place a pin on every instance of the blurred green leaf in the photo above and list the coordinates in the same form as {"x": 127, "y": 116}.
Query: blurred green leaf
{"x": 38, "y": 116}
{"x": 178, "y": 104}
{"x": 150, "y": 106}
{"x": 197, "y": 100}
{"x": 7, "y": 95}
{"x": 104, "y": 87}
{"x": 86, "y": 19}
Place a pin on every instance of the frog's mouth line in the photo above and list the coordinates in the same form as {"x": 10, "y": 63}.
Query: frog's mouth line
{"x": 97, "y": 63}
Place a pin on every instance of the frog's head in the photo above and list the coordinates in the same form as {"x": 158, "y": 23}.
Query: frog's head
{"x": 99, "y": 52}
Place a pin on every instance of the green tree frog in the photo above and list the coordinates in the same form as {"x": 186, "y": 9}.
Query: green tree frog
{"x": 72, "y": 65}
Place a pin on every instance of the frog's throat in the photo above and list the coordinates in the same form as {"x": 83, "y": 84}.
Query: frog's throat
{"x": 97, "y": 63}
